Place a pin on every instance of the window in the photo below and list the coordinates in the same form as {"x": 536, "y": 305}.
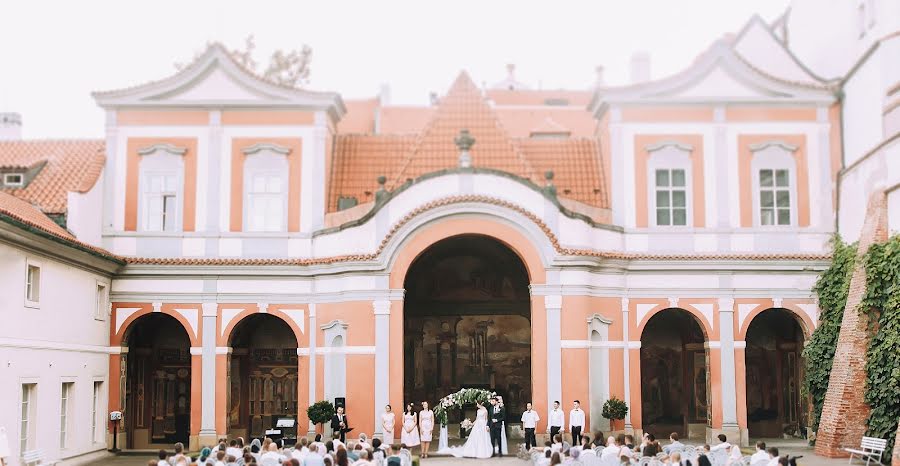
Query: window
{"x": 266, "y": 201}
{"x": 26, "y": 424}
{"x": 95, "y": 410}
{"x": 101, "y": 304}
{"x": 33, "y": 285}
{"x": 160, "y": 201}
{"x": 65, "y": 394}
{"x": 774, "y": 197}
{"x": 671, "y": 197}
{"x": 11, "y": 180}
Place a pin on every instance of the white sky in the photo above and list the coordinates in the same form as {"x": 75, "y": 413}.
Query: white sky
{"x": 54, "y": 53}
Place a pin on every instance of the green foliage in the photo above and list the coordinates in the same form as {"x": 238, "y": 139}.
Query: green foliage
{"x": 832, "y": 288}
{"x": 466, "y": 396}
{"x": 882, "y": 304}
{"x": 614, "y": 408}
{"x": 320, "y": 412}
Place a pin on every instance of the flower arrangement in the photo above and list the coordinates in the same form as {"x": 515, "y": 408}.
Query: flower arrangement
{"x": 466, "y": 424}
{"x": 465, "y": 396}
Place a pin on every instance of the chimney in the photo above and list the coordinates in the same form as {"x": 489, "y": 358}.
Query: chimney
{"x": 511, "y": 72}
{"x": 640, "y": 67}
{"x": 10, "y": 126}
{"x": 384, "y": 94}
{"x": 600, "y": 82}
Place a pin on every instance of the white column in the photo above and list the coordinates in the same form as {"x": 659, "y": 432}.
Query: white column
{"x": 109, "y": 172}
{"x": 824, "y": 198}
{"x": 208, "y": 371}
{"x": 382, "y": 310}
{"x": 617, "y": 165}
{"x": 313, "y": 329}
{"x": 213, "y": 171}
{"x": 726, "y": 336}
{"x": 625, "y": 361}
{"x": 553, "y": 304}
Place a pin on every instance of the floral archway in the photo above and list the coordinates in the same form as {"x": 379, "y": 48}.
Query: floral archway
{"x": 458, "y": 400}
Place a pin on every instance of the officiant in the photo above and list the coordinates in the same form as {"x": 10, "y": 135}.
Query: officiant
{"x": 339, "y": 423}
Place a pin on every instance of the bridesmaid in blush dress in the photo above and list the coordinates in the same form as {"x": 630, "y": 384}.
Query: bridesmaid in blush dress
{"x": 426, "y": 426}
{"x": 409, "y": 433}
{"x": 387, "y": 426}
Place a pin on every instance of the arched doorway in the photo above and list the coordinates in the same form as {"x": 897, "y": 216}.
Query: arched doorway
{"x": 158, "y": 382}
{"x": 262, "y": 377}
{"x": 774, "y": 362}
{"x": 674, "y": 375}
{"x": 467, "y": 322}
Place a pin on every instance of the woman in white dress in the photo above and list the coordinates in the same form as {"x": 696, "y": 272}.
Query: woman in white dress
{"x": 478, "y": 445}
{"x": 409, "y": 433}
{"x": 387, "y": 426}
{"x": 426, "y": 426}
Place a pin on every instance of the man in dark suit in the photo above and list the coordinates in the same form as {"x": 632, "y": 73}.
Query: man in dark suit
{"x": 497, "y": 416}
{"x": 339, "y": 423}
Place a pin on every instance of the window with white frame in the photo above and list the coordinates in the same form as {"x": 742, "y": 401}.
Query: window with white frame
{"x": 774, "y": 184}
{"x": 669, "y": 173}
{"x": 26, "y": 417}
{"x": 161, "y": 182}
{"x": 32, "y": 284}
{"x": 102, "y": 299}
{"x": 64, "y": 404}
{"x": 13, "y": 180}
{"x": 95, "y": 411}
{"x": 266, "y": 187}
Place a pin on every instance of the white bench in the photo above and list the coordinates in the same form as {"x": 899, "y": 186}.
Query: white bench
{"x": 870, "y": 448}
{"x": 35, "y": 457}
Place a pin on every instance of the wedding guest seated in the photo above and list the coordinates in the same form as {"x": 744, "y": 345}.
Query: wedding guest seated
{"x": 651, "y": 448}
{"x": 364, "y": 458}
{"x": 629, "y": 441}
{"x": 574, "y": 457}
{"x": 675, "y": 459}
{"x": 773, "y": 456}
{"x": 163, "y": 456}
{"x": 315, "y": 456}
{"x": 723, "y": 444}
{"x": 674, "y": 445}
{"x": 364, "y": 441}
{"x": 300, "y": 449}
{"x": 555, "y": 459}
{"x": 545, "y": 461}
{"x": 760, "y": 455}
{"x": 557, "y": 443}
{"x": 611, "y": 450}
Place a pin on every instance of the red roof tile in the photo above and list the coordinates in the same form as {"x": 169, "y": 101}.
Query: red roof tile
{"x": 72, "y": 165}
{"x": 575, "y": 164}
{"x": 360, "y": 160}
{"x": 360, "y": 117}
{"x": 30, "y": 215}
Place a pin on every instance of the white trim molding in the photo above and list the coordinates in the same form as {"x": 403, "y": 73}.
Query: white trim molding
{"x": 764, "y": 145}
{"x": 162, "y": 147}
{"x": 266, "y": 146}
{"x": 668, "y": 143}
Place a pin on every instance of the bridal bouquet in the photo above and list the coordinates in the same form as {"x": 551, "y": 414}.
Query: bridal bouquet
{"x": 466, "y": 424}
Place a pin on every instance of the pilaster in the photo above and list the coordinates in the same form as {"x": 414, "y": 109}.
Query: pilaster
{"x": 626, "y": 362}
{"x": 313, "y": 329}
{"x": 208, "y": 373}
{"x": 729, "y": 392}
{"x": 382, "y": 311}
{"x": 553, "y": 305}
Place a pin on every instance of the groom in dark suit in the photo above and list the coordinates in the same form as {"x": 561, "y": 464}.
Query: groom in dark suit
{"x": 497, "y": 416}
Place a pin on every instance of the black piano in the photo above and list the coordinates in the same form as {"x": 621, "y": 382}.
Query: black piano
{"x": 285, "y": 429}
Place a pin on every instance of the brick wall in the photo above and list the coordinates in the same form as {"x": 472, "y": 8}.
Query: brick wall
{"x": 896, "y": 459}
{"x": 844, "y": 413}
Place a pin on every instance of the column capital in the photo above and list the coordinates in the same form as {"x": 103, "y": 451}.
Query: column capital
{"x": 209, "y": 309}
{"x": 726, "y": 304}
{"x": 196, "y": 350}
{"x": 553, "y": 301}
{"x": 224, "y": 349}
{"x": 381, "y": 307}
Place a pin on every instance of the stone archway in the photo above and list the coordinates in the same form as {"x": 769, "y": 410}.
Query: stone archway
{"x": 157, "y": 382}
{"x": 262, "y": 379}
{"x": 467, "y": 321}
{"x": 674, "y": 375}
{"x": 774, "y": 371}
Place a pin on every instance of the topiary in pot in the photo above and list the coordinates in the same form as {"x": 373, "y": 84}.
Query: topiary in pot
{"x": 614, "y": 409}
{"x": 320, "y": 412}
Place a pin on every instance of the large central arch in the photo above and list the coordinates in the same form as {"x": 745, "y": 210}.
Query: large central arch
{"x": 467, "y": 321}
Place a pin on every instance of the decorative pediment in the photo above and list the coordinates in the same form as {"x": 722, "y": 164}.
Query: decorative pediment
{"x": 664, "y": 144}
{"x": 215, "y": 80}
{"x": 166, "y": 148}
{"x": 266, "y": 147}
{"x": 774, "y": 143}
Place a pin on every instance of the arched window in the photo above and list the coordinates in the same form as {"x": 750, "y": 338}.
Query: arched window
{"x": 161, "y": 184}
{"x": 266, "y": 187}
{"x": 774, "y": 172}
{"x": 669, "y": 172}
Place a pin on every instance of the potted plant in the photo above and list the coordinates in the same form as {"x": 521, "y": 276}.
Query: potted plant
{"x": 615, "y": 410}
{"x": 320, "y": 412}
{"x": 465, "y": 427}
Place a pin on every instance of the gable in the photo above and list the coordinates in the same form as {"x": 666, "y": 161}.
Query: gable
{"x": 720, "y": 83}
{"x": 213, "y": 85}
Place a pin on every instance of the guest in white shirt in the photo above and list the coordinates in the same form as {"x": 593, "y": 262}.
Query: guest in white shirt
{"x": 724, "y": 445}
{"x": 557, "y": 420}
{"x": 760, "y": 454}
{"x": 576, "y": 422}
{"x": 773, "y": 456}
{"x": 612, "y": 449}
{"x": 674, "y": 445}
{"x": 273, "y": 454}
{"x": 530, "y": 419}
{"x": 233, "y": 449}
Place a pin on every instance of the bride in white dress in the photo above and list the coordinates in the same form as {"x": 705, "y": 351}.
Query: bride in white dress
{"x": 478, "y": 445}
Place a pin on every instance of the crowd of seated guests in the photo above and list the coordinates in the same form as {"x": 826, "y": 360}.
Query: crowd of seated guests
{"x": 621, "y": 450}
{"x": 266, "y": 452}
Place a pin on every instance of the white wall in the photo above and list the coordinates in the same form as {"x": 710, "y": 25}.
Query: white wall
{"x": 58, "y": 342}
{"x": 85, "y": 214}
{"x": 863, "y": 105}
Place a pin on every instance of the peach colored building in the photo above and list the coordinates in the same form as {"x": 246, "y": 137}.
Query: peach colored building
{"x": 656, "y": 242}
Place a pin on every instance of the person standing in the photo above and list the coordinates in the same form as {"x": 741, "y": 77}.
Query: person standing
{"x": 426, "y": 426}
{"x": 576, "y": 422}
{"x": 530, "y": 419}
{"x": 339, "y": 424}
{"x": 409, "y": 433}
{"x": 388, "y": 419}
{"x": 497, "y": 415}
{"x": 557, "y": 421}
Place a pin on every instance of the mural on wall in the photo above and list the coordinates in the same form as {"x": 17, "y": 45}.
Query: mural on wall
{"x": 467, "y": 322}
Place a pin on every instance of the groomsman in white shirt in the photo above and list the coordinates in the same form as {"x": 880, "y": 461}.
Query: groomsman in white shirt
{"x": 530, "y": 419}
{"x": 576, "y": 422}
{"x": 557, "y": 421}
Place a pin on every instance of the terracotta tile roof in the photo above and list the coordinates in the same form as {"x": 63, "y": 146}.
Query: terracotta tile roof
{"x": 520, "y": 122}
{"x": 360, "y": 117}
{"x": 360, "y": 160}
{"x": 575, "y": 164}
{"x": 30, "y": 215}
{"x": 72, "y": 165}
{"x": 403, "y": 120}
{"x": 551, "y": 237}
{"x": 540, "y": 97}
